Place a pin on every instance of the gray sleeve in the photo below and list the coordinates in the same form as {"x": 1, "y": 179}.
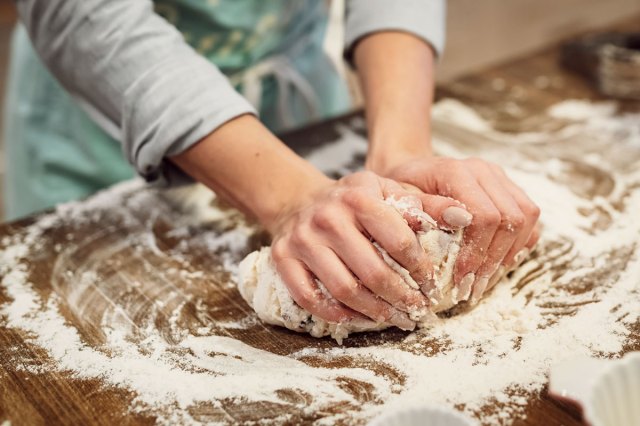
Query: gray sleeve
{"x": 134, "y": 74}
{"x": 423, "y": 18}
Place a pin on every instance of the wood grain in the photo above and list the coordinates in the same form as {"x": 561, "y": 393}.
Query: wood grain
{"x": 50, "y": 397}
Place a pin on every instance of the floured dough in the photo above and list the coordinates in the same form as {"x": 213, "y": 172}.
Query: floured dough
{"x": 263, "y": 289}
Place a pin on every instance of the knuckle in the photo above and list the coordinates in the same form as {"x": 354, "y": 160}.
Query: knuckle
{"x": 301, "y": 237}
{"x": 424, "y": 269}
{"x": 404, "y": 245}
{"x": 376, "y": 275}
{"x": 355, "y": 199}
{"x": 278, "y": 251}
{"x": 345, "y": 292}
{"x": 512, "y": 222}
{"x": 488, "y": 218}
{"x": 326, "y": 219}
{"x": 532, "y": 211}
{"x": 469, "y": 260}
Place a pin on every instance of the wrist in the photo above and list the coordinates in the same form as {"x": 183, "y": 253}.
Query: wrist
{"x": 273, "y": 211}
{"x": 249, "y": 167}
{"x": 397, "y": 133}
{"x": 386, "y": 154}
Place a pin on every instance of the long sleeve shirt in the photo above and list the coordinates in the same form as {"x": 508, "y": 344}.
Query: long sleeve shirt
{"x": 135, "y": 75}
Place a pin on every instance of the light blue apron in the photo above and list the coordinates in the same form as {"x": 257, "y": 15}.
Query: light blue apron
{"x": 271, "y": 50}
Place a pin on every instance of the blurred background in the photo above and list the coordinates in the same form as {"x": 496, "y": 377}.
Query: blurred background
{"x": 7, "y": 21}
{"x": 480, "y": 33}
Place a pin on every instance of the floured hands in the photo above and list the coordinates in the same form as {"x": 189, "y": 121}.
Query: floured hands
{"x": 504, "y": 226}
{"x": 327, "y": 234}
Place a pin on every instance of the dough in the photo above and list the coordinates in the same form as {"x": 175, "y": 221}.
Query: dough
{"x": 263, "y": 289}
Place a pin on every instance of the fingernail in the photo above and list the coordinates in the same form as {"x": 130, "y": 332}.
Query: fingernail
{"x": 521, "y": 256}
{"x": 401, "y": 321}
{"x": 478, "y": 289}
{"x": 465, "y": 286}
{"x": 457, "y": 217}
{"x": 497, "y": 276}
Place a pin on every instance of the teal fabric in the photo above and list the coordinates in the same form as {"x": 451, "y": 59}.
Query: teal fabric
{"x": 55, "y": 153}
{"x": 235, "y": 34}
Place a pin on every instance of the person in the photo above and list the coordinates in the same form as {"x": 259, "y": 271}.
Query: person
{"x": 165, "y": 80}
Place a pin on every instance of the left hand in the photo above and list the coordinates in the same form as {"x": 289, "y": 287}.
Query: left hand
{"x": 503, "y": 229}
{"x": 397, "y": 74}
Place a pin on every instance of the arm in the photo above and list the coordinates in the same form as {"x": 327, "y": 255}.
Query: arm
{"x": 318, "y": 224}
{"x": 134, "y": 72}
{"x": 396, "y": 70}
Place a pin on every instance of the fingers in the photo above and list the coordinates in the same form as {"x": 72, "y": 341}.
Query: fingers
{"x": 534, "y": 237}
{"x": 449, "y": 213}
{"x": 507, "y": 232}
{"x": 342, "y": 285}
{"x": 518, "y": 259}
{"x": 503, "y": 219}
{"x": 387, "y": 227}
{"x": 360, "y": 256}
{"x": 305, "y": 293}
{"x": 477, "y": 236}
{"x": 512, "y": 221}
{"x": 526, "y": 234}
{"x": 531, "y": 214}
{"x": 497, "y": 276}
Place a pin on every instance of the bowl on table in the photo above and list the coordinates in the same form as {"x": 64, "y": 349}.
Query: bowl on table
{"x": 608, "y": 391}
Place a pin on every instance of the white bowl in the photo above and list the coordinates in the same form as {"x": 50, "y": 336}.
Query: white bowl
{"x": 615, "y": 397}
{"x": 423, "y": 416}
{"x": 607, "y": 390}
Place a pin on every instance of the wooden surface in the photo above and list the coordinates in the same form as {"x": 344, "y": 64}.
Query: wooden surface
{"x": 51, "y": 397}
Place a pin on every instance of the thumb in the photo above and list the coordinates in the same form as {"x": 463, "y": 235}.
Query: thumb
{"x": 448, "y": 212}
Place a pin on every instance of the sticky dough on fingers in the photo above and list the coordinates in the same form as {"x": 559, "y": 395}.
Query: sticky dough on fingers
{"x": 264, "y": 290}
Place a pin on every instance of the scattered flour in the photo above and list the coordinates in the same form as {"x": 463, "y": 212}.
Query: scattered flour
{"x": 578, "y": 296}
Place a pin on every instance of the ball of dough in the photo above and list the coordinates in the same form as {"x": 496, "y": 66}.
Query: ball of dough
{"x": 262, "y": 288}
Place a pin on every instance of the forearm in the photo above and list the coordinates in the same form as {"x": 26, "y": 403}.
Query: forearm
{"x": 248, "y": 166}
{"x": 134, "y": 73}
{"x": 397, "y": 73}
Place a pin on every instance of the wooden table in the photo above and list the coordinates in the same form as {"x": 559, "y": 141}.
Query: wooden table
{"x": 513, "y": 97}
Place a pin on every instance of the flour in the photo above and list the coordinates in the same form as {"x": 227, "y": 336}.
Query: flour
{"x": 579, "y": 295}
{"x": 262, "y": 288}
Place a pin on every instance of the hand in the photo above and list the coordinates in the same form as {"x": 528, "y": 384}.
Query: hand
{"x": 503, "y": 229}
{"x": 326, "y": 234}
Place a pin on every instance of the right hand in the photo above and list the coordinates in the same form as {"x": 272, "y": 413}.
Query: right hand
{"x": 326, "y": 234}
{"x": 504, "y": 227}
